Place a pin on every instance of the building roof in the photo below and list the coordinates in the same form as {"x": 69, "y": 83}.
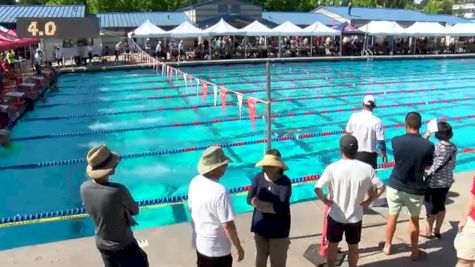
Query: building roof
{"x": 235, "y": 20}
{"x": 135, "y": 19}
{"x": 9, "y": 13}
{"x": 451, "y": 19}
{"x": 297, "y": 18}
{"x": 193, "y": 6}
{"x": 389, "y": 14}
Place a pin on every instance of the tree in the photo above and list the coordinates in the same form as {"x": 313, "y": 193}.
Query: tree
{"x": 438, "y": 6}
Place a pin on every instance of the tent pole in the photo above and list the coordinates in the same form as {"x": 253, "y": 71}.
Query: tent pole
{"x": 341, "y": 44}
{"x": 245, "y": 46}
{"x": 311, "y": 46}
{"x": 280, "y": 46}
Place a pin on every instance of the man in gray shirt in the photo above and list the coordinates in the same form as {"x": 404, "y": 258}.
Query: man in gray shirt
{"x": 111, "y": 207}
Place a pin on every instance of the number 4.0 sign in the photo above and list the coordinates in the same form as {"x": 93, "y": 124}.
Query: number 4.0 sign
{"x": 62, "y": 28}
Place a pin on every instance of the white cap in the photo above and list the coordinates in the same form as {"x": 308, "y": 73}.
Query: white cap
{"x": 369, "y": 100}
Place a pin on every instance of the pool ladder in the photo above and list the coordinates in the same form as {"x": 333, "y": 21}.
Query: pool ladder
{"x": 368, "y": 54}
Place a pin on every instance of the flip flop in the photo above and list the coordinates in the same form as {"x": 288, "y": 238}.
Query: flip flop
{"x": 421, "y": 255}
{"x": 381, "y": 247}
{"x": 428, "y": 236}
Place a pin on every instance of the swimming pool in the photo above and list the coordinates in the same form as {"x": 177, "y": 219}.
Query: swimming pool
{"x": 138, "y": 111}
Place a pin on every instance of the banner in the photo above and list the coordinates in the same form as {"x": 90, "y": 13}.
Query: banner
{"x": 239, "y": 97}
{"x": 215, "y": 93}
{"x": 224, "y": 91}
{"x": 204, "y": 91}
{"x": 251, "y": 102}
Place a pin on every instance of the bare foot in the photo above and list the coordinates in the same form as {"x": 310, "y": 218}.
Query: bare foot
{"x": 416, "y": 255}
{"x": 385, "y": 248}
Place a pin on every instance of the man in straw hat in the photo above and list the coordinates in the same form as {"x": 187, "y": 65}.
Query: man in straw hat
{"x": 270, "y": 196}
{"x": 111, "y": 207}
{"x": 348, "y": 181}
{"x": 211, "y": 212}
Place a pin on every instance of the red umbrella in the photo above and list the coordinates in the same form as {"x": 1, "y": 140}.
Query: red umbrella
{"x": 6, "y": 45}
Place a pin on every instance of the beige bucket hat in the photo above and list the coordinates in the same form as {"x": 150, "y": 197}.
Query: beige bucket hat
{"x": 272, "y": 161}
{"x": 213, "y": 157}
{"x": 101, "y": 161}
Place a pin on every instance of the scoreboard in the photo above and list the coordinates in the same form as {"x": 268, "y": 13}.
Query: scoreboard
{"x": 61, "y": 28}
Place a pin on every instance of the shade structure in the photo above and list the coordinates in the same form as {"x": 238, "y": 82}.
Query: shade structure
{"x": 148, "y": 29}
{"x": 221, "y": 28}
{"x": 427, "y": 29}
{"x": 462, "y": 29}
{"x": 6, "y": 45}
{"x": 383, "y": 28}
{"x": 256, "y": 29}
{"x": 319, "y": 29}
{"x": 288, "y": 29}
{"x": 186, "y": 30}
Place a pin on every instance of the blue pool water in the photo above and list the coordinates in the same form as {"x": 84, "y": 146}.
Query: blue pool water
{"x": 88, "y": 103}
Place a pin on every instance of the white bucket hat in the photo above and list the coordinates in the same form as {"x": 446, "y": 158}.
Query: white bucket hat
{"x": 213, "y": 157}
{"x": 101, "y": 161}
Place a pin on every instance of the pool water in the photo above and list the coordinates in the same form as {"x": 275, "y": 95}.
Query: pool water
{"x": 102, "y": 107}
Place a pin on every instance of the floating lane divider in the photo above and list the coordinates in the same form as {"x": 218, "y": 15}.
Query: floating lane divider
{"x": 347, "y": 84}
{"x": 79, "y": 213}
{"x": 113, "y": 113}
{"x": 174, "y": 125}
{"x": 183, "y": 150}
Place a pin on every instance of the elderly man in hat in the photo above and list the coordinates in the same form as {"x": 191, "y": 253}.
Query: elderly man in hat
{"x": 270, "y": 196}
{"x": 348, "y": 181}
{"x": 211, "y": 212}
{"x": 111, "y": 207}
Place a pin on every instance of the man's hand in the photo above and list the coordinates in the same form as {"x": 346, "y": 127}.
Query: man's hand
{"x": 327, "y": 202}
{"x": 240, "y": 252}
{"x": 462, "y": 224}
{"x": 367, "y": 202}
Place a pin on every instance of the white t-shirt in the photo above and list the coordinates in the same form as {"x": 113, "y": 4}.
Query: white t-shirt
{"x": 210, "y": 208}
{"x": 367, "y": 128}
{"x": 348, "y": 181}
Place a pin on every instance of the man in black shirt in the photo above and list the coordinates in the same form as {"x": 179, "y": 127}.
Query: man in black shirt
{"x": 406, "y": 187}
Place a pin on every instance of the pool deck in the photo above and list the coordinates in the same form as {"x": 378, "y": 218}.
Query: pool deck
{"x": 170, "y": 246}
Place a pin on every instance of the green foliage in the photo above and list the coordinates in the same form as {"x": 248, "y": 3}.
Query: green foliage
{"x": 438, "y": 6}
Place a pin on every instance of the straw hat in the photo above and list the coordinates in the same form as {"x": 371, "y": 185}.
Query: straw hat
{"x": 272, "y": 161}
{"x": 213, "y": 157}
{"x": 101, "y": 161}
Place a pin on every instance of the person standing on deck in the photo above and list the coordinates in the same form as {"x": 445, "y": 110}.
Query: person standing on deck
{"x": 406, "y": 187}
{"x": 369, "y": 131}
{"x": 348, "y": 181}
{"x": 212, "y": 215}
{"x": 111, "y": 207}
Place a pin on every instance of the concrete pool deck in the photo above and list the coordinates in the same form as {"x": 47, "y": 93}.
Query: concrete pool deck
{"x": 170, "y": 246}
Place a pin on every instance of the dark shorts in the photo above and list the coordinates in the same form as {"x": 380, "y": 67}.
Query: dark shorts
{"x": 368, "y": 157}
{"x": 130, "y": 256}
{"x": 434, "y": 200}
{"x": 205, "y": 261}
{"x": 352, "y": 231}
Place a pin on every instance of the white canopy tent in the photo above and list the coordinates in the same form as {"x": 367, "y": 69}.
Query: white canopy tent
{"x": 221, "y": 28}
{"x": 427, "y": 29}
{"x": 148, "y": 30}
{"x": 186, "y": 30}
{"x": 462, "y": 29}
{"x": 288, "y": 29}
{"x": 383, "y": 28}
{"x": 256, "y": 29}
{"x": 319, "y": 29}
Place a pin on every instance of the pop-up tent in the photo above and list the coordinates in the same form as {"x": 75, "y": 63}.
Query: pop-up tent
{"x": 186, "y": 30}
{"x": 288, "y": 29}
{"x": 427, "y": 29}
{"x": 221, "y": 28}
{"x": 383, "y": 28}
{"x": 319, "y": 29}
{"x": 148, "y": 30}
{"x": 256, "y": 29}
{"x": 462, "y": 29}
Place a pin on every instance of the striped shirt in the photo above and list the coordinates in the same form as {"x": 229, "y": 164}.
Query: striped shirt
{"x": 440, "y": 175}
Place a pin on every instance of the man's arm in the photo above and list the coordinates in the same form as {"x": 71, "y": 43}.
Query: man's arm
{"x": 375, "y": 191}
{"x": 468, "y": 210}
{"x": 129, "y": 202}
{"x": 226, "y": 217}
{"x": 322, "y": 182}
{"x": 231, "y": 233}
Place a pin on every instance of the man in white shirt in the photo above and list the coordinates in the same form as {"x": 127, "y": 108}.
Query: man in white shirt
{"x": 348, "y": 181}
{"x": 211, "y": 212}
{"x": 369, "y": 131}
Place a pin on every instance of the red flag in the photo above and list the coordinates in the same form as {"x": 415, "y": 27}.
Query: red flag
{"x": 205, "y": 91}
{"x": 324, "y": 241}
{"x": 224, "y": 91}
{"x": 251, "y": 102}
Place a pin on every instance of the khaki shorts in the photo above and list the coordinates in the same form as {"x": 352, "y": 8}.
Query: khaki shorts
{"x": 464, "y": 242}
{"x": 398, "y": 199}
